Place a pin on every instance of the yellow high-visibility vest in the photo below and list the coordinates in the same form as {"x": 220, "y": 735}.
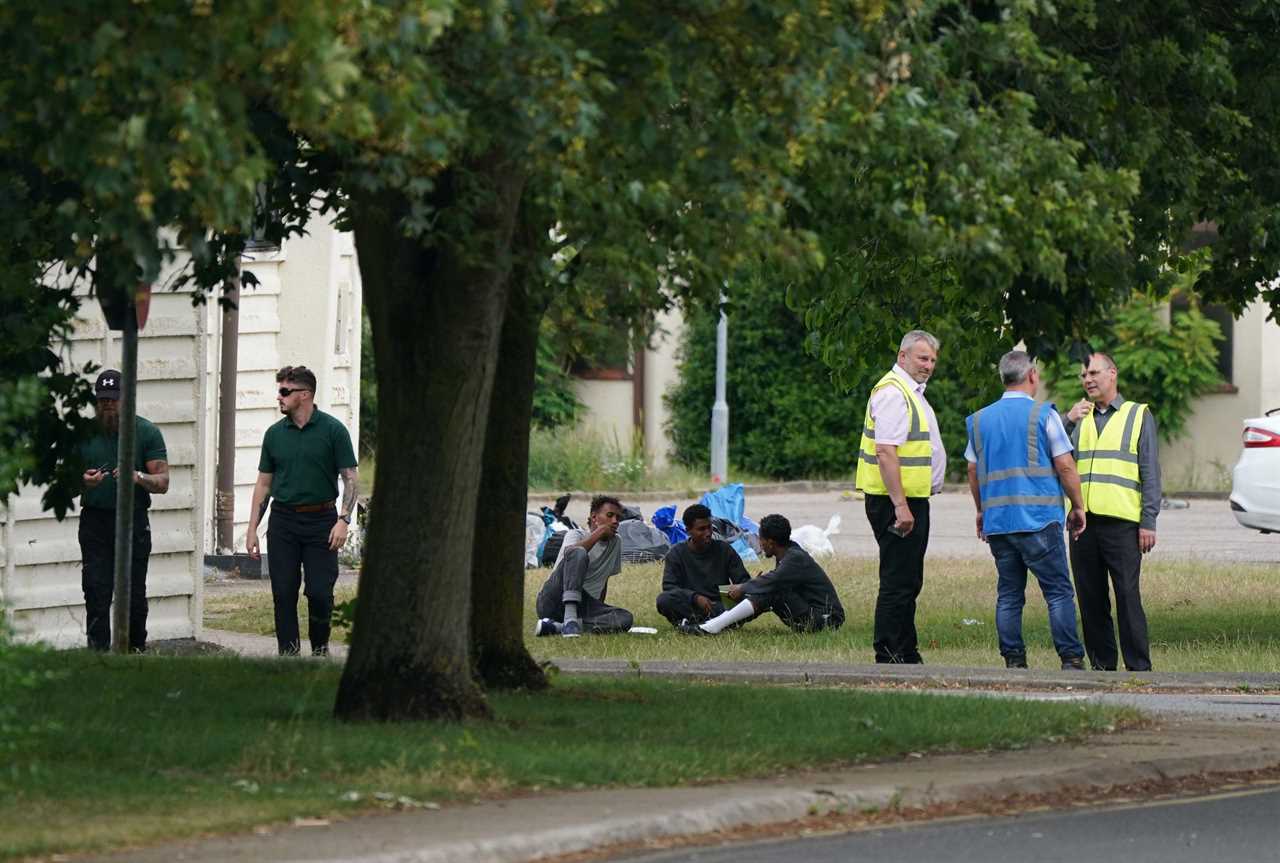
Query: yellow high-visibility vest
{"x": 915, "y": 454}
{"x": 1108, "y": 463}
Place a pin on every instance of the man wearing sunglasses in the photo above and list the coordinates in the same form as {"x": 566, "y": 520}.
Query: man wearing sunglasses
{"x": 302, "y": 457}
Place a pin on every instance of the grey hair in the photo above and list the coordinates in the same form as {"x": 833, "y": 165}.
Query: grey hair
{"x": 1015, "y": 366}
{"x": 917, "y": 336}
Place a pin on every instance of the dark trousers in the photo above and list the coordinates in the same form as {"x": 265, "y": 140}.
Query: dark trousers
{"x": 298, "y": 542}
{"x": 1108, "y": 549}
{"x": 565, "y": 585}
{"x": 796, "y": 613}
{"x": 97, "y": 536}
{"x": 901, "y": 578}
{"x": 677, "y": 604}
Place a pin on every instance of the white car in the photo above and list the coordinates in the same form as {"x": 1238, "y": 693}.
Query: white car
{"x": 1255, "y": 482}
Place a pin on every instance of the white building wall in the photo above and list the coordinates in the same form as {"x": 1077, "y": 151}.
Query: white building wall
{"x": 1203, "y": 457}
{"x": 305, "y": 311}
{"x": 41, "y": 556}
{"x": 661, "y": 374}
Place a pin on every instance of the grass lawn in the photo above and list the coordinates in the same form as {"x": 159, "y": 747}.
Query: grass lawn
{"x": 1202, "y": 617}
{"x": 138, "y": 749}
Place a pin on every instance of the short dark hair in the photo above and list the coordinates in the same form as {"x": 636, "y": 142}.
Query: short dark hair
{"x": 602, "y": 499}
{"x": 297, "y": 375}
{"x": 1107, "y": 361}
{"x": 694, "y": 512}
{"x": 775, "y": 527}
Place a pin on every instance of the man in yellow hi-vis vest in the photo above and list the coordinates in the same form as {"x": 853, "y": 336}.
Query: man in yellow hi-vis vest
{"x": 901, "y": 462}
{"x": 1117, "y": 458}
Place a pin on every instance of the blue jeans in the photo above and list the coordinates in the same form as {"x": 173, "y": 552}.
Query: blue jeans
{"x": 1044, "y": 553}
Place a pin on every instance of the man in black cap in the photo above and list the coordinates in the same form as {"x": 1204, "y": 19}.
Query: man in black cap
{"x": 150, "y": 475}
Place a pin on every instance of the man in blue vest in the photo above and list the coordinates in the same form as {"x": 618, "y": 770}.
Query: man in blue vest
{"x": 1020, "y": 463}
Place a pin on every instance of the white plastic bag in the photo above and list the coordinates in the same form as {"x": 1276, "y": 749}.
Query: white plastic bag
{"x": 534, "y": 530}
{"x": 814, "y": 539}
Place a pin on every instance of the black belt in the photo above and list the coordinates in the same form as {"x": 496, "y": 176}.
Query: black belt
{"x": 305, "y": 507}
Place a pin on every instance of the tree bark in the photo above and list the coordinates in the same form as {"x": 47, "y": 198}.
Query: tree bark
{"x": 436, "y": 313}
{"x": 497, "y": 575}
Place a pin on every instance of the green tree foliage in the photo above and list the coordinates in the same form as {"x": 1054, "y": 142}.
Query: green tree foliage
{"x": 788, "y": 418}
{"x": 1167, "y": 364}
{"x": 554, "y": 402}
{"x": 1036, "y": 164}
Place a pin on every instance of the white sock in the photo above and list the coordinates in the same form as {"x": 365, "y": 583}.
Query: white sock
{"x": 570, "y": 611}
{"x": 742, "y": 611}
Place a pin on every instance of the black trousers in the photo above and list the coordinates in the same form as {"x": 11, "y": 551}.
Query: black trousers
{"x": 796, "y": 613}
{"x": 901, "y": 578}
{"x": 565, "y": 585}
{"x": 677, "y": 604}
{"x": 97, "y": 535}
{"x": 1108, "y": 549}
{"x": 298, "y": 542}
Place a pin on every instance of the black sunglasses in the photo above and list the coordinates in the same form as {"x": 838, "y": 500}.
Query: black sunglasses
{"x": 285, "y": 392}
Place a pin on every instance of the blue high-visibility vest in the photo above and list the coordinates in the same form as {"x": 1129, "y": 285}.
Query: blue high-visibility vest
{"x": 1017, "y": 483}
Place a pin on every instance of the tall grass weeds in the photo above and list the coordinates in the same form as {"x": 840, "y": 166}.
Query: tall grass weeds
{"x": 583, "y": 459}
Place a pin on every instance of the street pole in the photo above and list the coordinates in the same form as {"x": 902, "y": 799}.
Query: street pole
{"x": 720, "y": 410}
{"x": 124, "y": 483}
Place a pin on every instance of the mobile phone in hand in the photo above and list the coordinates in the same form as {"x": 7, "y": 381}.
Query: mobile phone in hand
{"x": 896, "y": 531}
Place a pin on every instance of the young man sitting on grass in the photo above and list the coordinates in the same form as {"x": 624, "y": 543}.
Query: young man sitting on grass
{"x": 571, "y": 601}
{"x": 695, "y": 569}
{"x": 797, "y": 589}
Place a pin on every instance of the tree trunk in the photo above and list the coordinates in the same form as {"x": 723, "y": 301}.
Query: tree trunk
{"x": 497, "y": 574}
{"x": 436, "y": 314}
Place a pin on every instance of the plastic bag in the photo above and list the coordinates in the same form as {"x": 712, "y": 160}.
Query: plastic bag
{"x": 814, "y": 540}
{"x": 664, "y": 519}
{"x": 727, "y": 502}
{"x": 535, "y": 535}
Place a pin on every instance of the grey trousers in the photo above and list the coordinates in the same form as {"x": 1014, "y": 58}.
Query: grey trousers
{"x": 565, "y": 585}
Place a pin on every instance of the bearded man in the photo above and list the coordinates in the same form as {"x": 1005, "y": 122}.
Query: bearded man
{"x": 97, "y": 532}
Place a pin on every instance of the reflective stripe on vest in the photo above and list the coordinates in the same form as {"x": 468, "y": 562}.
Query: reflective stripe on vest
{"x": 1017, "y": 484}
{"x": 1108, "y": 463}
{"x": 915, "y": 454}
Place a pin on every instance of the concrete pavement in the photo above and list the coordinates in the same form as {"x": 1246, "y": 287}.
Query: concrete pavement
{"x": 532, "y": 827}
{"x": 1202, "y": 530}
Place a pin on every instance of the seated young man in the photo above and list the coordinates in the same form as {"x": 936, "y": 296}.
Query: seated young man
{"x": 571, "y": 601}
{"x": 695, "y": 569}
{"x": 797, "y": 589}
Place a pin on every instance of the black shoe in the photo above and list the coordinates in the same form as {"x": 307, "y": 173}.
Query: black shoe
{"x": 1073, "y": 663}
{"x": 322, "y": 650}
{"x": 688, "y": 627}
{"x": 1015, "y": 660}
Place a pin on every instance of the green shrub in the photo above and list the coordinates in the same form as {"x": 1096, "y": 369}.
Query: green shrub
{"x": 1165, "y": 365}
{"x": 554, "y": 402}
{"x": 787, "y": 419}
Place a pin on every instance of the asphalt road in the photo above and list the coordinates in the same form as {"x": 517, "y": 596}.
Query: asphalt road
{"x": 1229, "y": 827}
{"x": 1204, "y": 530}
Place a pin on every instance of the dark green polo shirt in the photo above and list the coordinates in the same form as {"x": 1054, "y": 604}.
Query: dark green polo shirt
{"x": 100, "y": 451}
{"x": 304, "y": 462}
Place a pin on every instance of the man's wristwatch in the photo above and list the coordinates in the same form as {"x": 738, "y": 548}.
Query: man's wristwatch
{"x": 346, "y": 518}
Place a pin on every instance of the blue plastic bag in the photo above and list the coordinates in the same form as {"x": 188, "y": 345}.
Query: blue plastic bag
{"x": 729, "y": 502}
{"x": 744, "y": 550}
{"x": 664, "y": 519}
